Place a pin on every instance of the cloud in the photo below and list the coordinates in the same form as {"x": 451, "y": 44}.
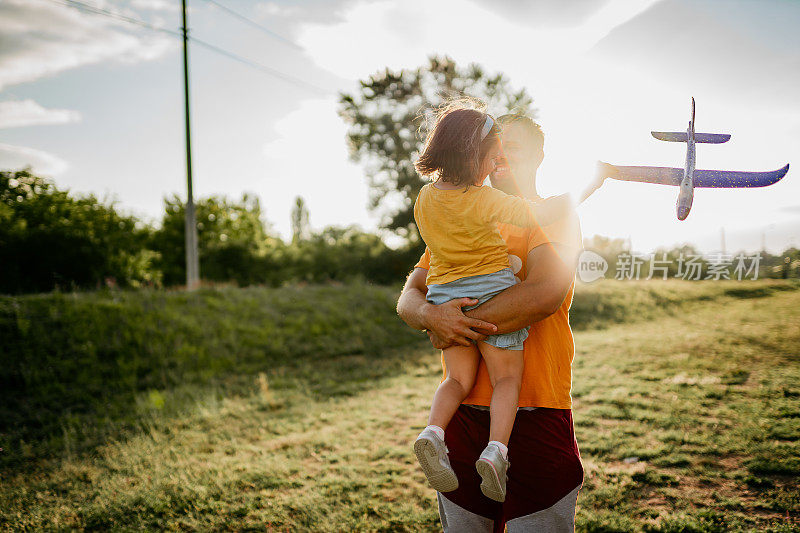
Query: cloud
{"x": 155, "y": 5}
{"x": 271, "y": 9}
{"x": 747, "y": 49}
{"x": 309, "y": 159}
{"x": 402, "y": 34}
{"x": 19, "y": 113}
{"x": 43, "y": 163}
{"x": 552, "y": 13}
{"x": 41, "y": 39}
{"x": 320, "y": 11}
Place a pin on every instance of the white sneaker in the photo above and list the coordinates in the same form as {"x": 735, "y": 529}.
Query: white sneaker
{"x": 432, "y": 456}
{"x": 492, "y": 468}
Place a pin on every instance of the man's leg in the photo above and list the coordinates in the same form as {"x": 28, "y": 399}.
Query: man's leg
{"x": 456, "y": 519}
{"x": 546, "y": 472}
{"x": 546, "y": 467}
{"x": 558, "y": 518}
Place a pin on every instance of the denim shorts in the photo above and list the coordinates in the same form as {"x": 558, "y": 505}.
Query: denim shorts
{"x": 482, "y": 288}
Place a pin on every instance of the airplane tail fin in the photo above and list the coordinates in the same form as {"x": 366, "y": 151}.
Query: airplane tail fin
{"x": 681, "y": 137}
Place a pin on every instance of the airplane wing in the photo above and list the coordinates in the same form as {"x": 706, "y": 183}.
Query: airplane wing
{"x": 681, "y": 137}
{"x": 736, "y": 179}
{"x": 658, "y": 175}
{"x": 702, "y": 178}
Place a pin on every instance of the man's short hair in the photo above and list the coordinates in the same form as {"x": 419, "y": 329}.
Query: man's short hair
{"x": 531, "y": 126}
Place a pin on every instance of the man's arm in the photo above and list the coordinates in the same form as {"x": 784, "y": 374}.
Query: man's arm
{"x": 551, "y": 272}
{"x": 446, "y": 323}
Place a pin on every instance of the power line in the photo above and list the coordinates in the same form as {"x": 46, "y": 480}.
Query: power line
{"x": 100, "y": 11}
{"x": 253, "y": 64}
{"x": 255, "y": 24}
{"x": 264, "y": 68}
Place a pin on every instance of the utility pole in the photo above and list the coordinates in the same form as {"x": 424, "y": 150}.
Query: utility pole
{"x": 722, "y": 235}
{"x": 192, "y": 260}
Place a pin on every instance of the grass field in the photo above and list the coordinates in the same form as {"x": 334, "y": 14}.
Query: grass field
{"x": 687, "y": 410}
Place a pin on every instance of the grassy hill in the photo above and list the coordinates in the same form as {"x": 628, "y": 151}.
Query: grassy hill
{"x": 296, "y": 408}
{"x": 77, "y": 367}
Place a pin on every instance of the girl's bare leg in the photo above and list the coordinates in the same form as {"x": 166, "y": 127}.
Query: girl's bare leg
{"x": 505, "y": 372}
{"x": 462, "y": 365}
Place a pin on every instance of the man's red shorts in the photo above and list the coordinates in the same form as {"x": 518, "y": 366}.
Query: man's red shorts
{"x": 544, "y": 456}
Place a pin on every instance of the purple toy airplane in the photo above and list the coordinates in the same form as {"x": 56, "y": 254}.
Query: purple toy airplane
{"x": 688, "y": 178}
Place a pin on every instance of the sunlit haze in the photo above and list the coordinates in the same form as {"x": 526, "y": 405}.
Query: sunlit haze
{"x": 97, "y": 103}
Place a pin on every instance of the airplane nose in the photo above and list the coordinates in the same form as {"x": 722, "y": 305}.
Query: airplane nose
{"x": 684, "y": 203}
{"x": 683, "y": 206}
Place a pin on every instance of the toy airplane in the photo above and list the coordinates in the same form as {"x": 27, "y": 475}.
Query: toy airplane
{"x": 688, "y": 178}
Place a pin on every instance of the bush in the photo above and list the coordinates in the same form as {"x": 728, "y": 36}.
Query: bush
{"x": 50, "y": 240}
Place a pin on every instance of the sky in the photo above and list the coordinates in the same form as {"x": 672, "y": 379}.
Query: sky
{"x": 97, "y": 103}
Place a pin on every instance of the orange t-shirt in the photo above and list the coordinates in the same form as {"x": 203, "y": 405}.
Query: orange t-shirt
{"x": 549, "y": 348}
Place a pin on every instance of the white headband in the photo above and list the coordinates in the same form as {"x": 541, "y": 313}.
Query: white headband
{"x": 487, "y": 126}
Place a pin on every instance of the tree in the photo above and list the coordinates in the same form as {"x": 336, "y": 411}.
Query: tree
{"x": 344, "y": 253}
{"x": 386, "y": 127}
{"x": 231, "y": 239}
{"x": 50, "y": 239}
{"x": 300, "y": 220}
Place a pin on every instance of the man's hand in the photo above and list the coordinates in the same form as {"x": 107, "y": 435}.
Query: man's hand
{"x": 446, "y": 324}
{"x": 449, "y": 326}
{"x": 603, "y": 171}
{"x": 436, "y": 342}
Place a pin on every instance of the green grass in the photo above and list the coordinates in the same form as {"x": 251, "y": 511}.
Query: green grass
{"x": 76, "y": 368}
{"x": 687, "y": 409}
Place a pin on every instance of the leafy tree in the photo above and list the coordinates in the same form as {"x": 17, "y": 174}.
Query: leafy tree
{"x": 386, "y": 126}
{"x": 300, "y": 220}
{"x": 49, "y": 239}
{"x": 231, "y": 239}
{"x": 784, "y": 265}
{"x": 344, "y": 253}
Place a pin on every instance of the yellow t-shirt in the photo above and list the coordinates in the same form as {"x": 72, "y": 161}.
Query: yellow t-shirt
{"x": 459, "y": 227}
{"x": 549, "y": 349}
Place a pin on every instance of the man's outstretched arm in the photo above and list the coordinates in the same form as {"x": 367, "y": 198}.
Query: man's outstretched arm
{"x": 551, "y": 272}
{"x": 446, "y": 323}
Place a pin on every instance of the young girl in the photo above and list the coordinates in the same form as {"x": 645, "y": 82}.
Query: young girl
{"x": 457, "y": 218}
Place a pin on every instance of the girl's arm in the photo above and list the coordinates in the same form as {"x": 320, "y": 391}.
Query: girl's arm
{"x": 526, "y": 213}
{"x": 498, "y": 206}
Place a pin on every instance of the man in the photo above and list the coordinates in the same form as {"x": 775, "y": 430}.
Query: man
{"x": 546, "y": 472}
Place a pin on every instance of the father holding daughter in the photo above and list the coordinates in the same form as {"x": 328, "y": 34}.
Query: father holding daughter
{"x": 540, "y": 489}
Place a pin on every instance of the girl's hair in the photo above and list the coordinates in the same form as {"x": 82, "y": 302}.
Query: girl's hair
{"x": 454, "y": 148}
